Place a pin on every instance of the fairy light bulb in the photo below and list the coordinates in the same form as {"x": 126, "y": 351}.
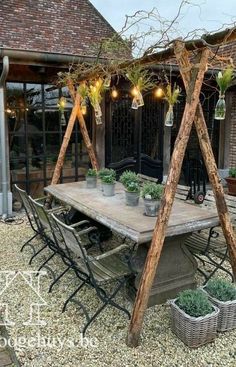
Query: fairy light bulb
{"x": 159, "y": 92}
{"x": 135, "y": 91}
{"x": 114, "y": 93}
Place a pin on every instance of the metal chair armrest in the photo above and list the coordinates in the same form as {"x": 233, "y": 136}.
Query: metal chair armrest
{"x": 113, "y": 251}
{"x": 82, "y": 222}
{"x": 86, "y": 230}
{"x": 42, "y": 198}
{"x": 57, "y": 208}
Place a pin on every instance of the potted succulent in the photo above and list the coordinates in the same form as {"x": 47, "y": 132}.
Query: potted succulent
{"x": 193, "y": 318}
{"x": 222, "y": 294}
{"x": 130, "y": 181}
{"x": 151, "y": 194}
{"x": 231, "y": 181}
{"x": 108, "y": 182}
{"x": 91, "y": 178}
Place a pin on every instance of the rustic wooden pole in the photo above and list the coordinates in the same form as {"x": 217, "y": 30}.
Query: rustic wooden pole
{"x": 66, "y": 139}
{"x": 141, "y": 301}
{"x": 84, "y": 130}
{"x": 209, "y": 160}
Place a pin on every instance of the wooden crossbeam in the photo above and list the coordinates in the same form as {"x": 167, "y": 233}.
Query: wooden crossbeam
{"x": 65, "y": 142}
{"x": 210, "y": 163}
{"x": 76, "y": 112}
{"x": 83, "y": 129}
{"x": 192, "y": 100}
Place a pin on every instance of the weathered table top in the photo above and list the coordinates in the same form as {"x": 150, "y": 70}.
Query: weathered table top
{"x": 130, "y": 221}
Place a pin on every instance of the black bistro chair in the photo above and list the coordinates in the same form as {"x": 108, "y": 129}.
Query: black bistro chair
{"x": 33, "y": 221}
{"x": 95, "y": 271}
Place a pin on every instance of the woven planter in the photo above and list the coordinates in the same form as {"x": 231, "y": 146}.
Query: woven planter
{"x": 193, "y": 331}
{"x": 227, "y": 315}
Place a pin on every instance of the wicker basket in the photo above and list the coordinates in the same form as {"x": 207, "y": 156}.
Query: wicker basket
{"x": 193, "y": 331}
{"x": 227, "y": 315}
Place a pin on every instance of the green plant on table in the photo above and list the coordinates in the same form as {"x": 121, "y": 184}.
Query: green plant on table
{"x": 232, "y": 172}
{"x": 152, "y": 191}
{"x": 91, "y": 172}
{"x": 130, "y": 181}
{"x": 108, "y": 179}
{"x": 194, "y": 303}
{"x": 106, "y": 172}
{"x": 221, "y": 289}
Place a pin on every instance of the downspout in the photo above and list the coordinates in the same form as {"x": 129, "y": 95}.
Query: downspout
{"x": 3, "y": 139}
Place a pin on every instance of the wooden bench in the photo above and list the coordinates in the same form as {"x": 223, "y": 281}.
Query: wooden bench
{"x": 182, "y": 191}
{"x": 211, "y": 243}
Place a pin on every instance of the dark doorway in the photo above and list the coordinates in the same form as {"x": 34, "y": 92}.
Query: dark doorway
{"x": 135, "y": 134}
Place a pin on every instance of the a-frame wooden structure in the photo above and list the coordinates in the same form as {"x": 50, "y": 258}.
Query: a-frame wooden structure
{"x": 192, "y": 72}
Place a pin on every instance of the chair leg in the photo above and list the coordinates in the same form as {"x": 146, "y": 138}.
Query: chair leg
{"x": 36, "y": 253}
{"x": 107, "y": 301}
{"x": 46, "y": 261}
{"x": 218, "y": 266}
{"x": 72, "y": 295}
{"x": 58, "y": 278}
{"x": 27, "y": 243}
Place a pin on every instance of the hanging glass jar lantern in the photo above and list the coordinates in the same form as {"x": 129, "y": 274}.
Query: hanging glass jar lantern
{"x": 169, "y": 119}
{"x": 134, "y": 105}
{"x": 223, "y": 79}
{"x": 63, "y": 119}
{"x": 83, "y": 107}
{"x": 220, "y": 108}
{"x": 138, "y": 98}
{"x": 98, "y": 114}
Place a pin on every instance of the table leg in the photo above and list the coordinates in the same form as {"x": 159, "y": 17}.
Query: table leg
{"x": 175, "y": 272}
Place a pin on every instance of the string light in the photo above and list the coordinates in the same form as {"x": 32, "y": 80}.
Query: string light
{"x": 114, "y": 92}
{"x": 159, "y": 93}
{"x": 135, "y": 91}
{"x": 83, "y": 107}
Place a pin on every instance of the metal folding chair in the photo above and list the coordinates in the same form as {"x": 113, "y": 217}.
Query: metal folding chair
{"x": 33, "y": 221}
{"x": 95, "y": 271}
{"x": 209, "y": 246}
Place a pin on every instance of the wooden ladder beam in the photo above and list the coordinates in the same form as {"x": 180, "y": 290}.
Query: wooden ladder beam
{"x": 193, "y": 92}
{"x": 210, "y": 163}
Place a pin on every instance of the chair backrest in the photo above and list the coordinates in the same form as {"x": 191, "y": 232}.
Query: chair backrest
{"x": 70, "y": 238}
{"x": 209, "y": 201}
{"x": 41, "y": 214}
{"x": 182, "y": 191}
{"x": 28, "y": 207}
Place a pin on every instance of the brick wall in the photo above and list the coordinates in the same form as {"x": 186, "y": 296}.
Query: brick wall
{"x": 232, "y": 138}
{"x": 60, "y": 26}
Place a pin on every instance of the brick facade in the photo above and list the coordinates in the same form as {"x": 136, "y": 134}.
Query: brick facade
{"x": 55, "y": 26}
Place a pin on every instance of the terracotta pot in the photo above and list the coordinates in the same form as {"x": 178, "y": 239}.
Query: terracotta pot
{"x": 231, "y": 182}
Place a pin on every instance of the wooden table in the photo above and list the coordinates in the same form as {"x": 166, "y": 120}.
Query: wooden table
{"x": 177, "y": 266}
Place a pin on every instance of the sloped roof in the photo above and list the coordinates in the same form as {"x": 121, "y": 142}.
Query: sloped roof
{"x": 55, "y": 26}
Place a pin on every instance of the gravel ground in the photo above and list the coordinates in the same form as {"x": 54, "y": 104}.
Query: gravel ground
{"x": 41, "y": 346}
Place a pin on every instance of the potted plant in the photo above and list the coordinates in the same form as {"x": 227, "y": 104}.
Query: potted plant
{"x": 108, "y": 182}
{"x": 231, "y": 181}
{"x": 222, "y": 294}
{"x": 193, "y": 318}
{"x": 105, "y": 172}
{"x": 130, "y": 181}
{"x": 151, "y": 194}
{"x": 223, "y": 80}
{"x": 91, "y": 178}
